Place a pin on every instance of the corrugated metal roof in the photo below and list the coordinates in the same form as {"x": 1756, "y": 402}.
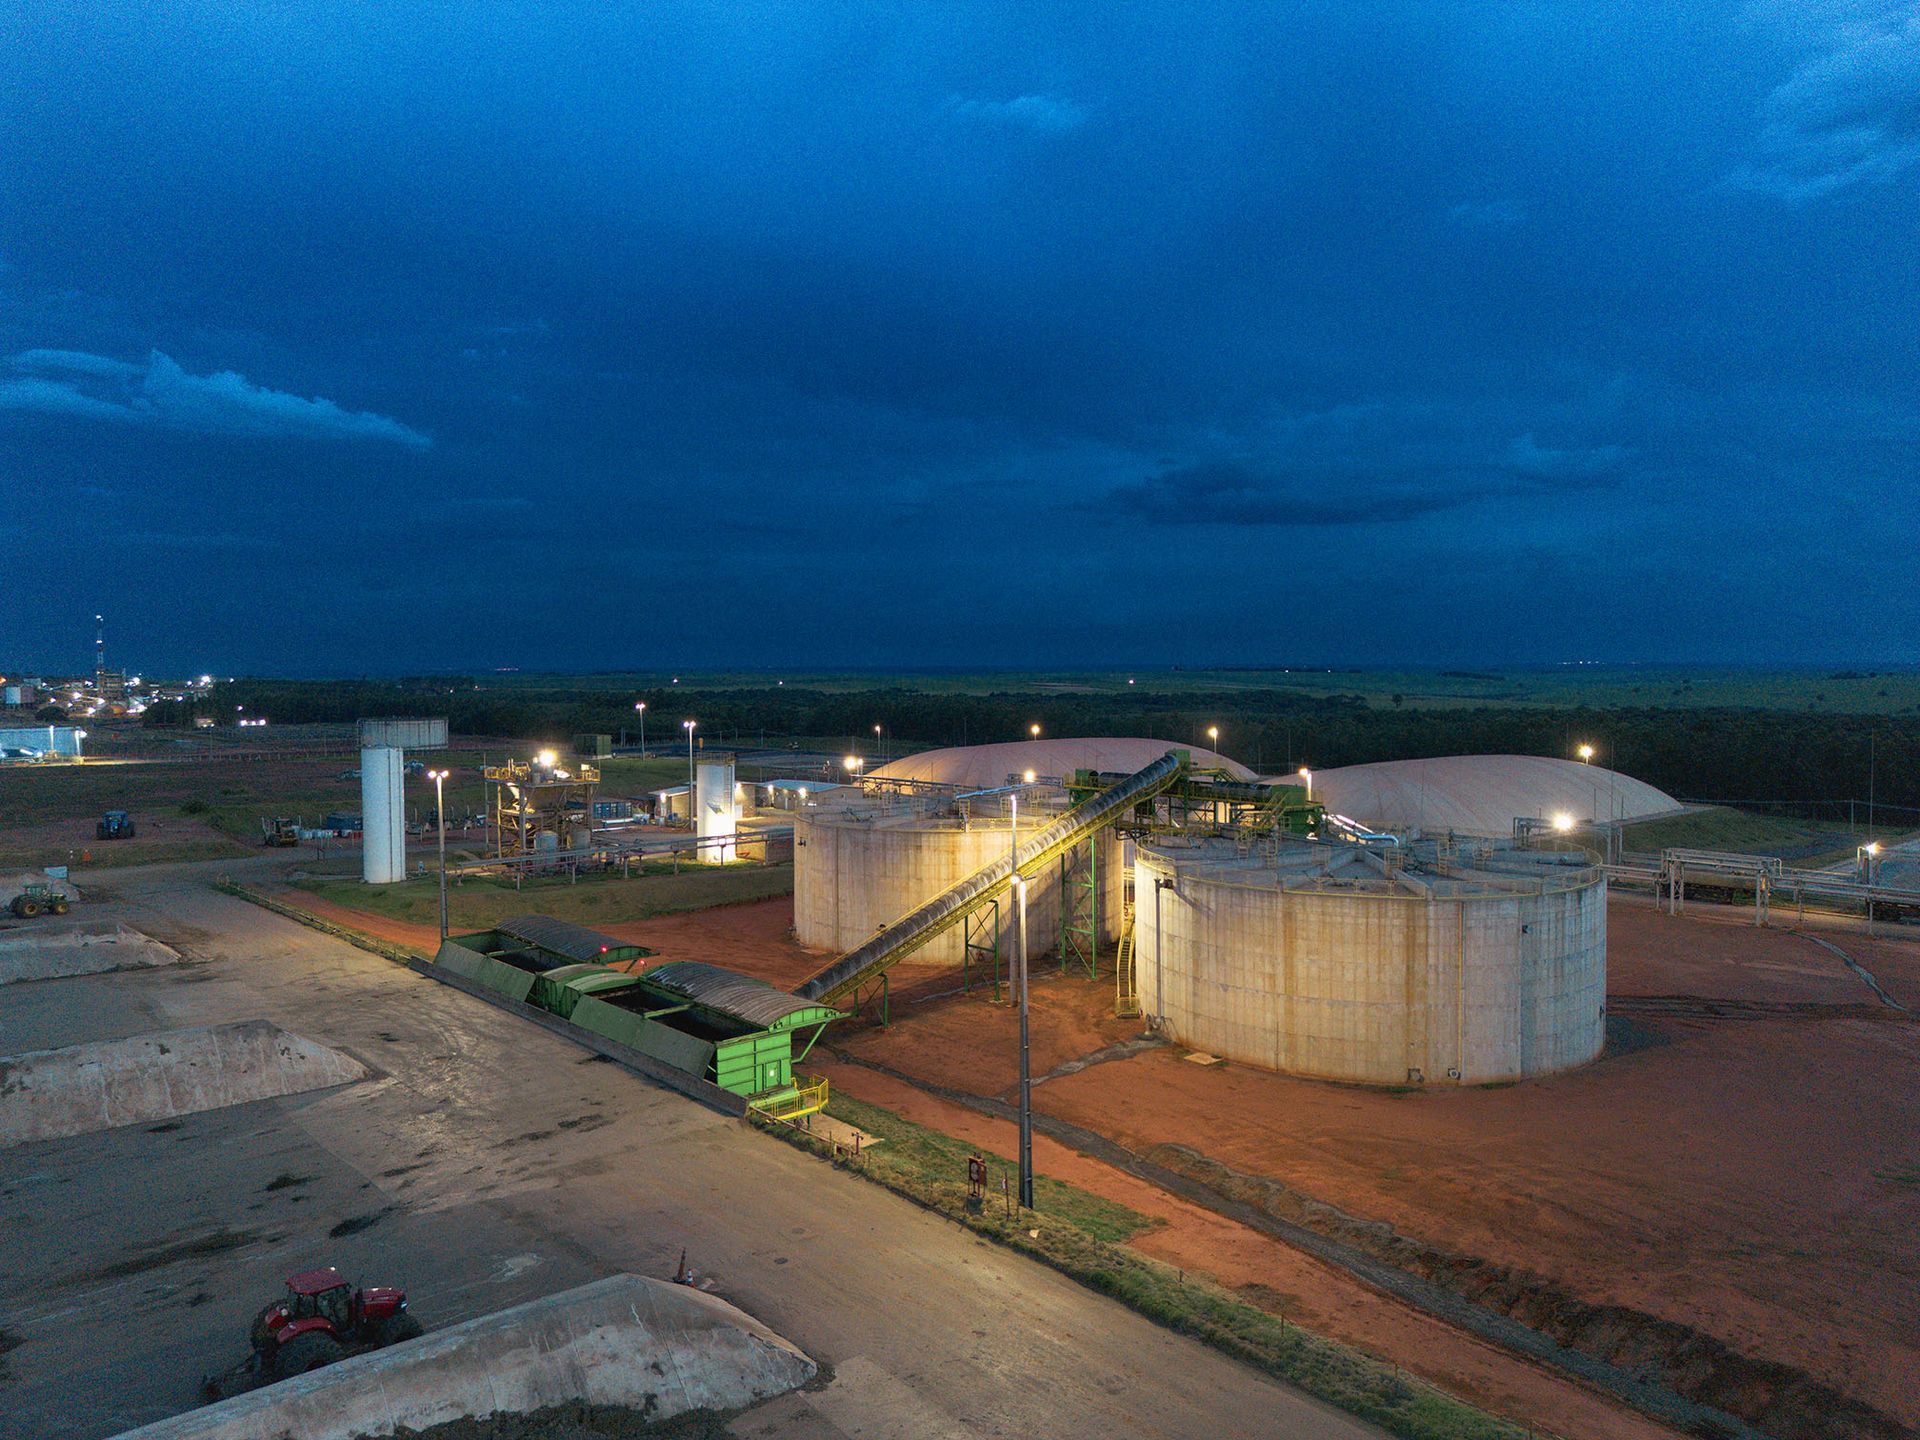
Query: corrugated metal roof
{"x": 741, "y": 996}
{"x": 563, "y": 937}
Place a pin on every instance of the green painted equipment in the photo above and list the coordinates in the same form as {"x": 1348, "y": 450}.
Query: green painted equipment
{"x": 729, "y": 1029}
{"x": 558, "y": 991}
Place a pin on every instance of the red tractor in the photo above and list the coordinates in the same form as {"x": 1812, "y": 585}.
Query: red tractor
{"x": 319, "y": 1320}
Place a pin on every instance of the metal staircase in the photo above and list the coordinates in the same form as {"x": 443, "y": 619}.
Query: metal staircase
{"x": 1126, "y": 993}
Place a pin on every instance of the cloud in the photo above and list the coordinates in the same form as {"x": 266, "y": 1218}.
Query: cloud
{"x": 1042, "y": 114}
{"x": 1248, "y": 492}
{"x": 1849, "y": 115}
{"x": 53, "y": 397}
{"x": 161, "y": 393}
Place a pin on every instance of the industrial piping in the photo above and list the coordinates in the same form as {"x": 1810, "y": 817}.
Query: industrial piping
{"x": 911, "y": 931}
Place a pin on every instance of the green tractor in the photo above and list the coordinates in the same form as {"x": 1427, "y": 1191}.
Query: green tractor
{"x": 38, "y": 898}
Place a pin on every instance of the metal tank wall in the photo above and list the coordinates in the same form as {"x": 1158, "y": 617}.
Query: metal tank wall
{"x": 1366, "y": 986}
{"x": 852, "y": 876}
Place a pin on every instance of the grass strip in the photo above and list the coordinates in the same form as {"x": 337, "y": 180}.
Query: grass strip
{"x": 477, "y": 901}
{"x": 1081, "y": 1234}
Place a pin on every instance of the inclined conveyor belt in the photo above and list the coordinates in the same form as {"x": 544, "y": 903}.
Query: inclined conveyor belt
{"x": 843, "y": 976}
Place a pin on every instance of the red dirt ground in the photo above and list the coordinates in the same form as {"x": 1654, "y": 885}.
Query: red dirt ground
{"x": 1758, "y": 1179}
{"x": 1283, "y": 1280}
{"x": 1751, "y": 1167}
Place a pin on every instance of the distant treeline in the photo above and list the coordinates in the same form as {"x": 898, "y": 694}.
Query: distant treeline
{"x": 1733, "y": 754}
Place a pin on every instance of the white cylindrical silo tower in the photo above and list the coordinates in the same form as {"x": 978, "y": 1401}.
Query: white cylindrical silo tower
{"x": 716, "y": 810}
{"x": 383, "y": 815}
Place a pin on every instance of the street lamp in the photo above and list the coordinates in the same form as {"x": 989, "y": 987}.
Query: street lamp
{"x": 1585, "y": 753}
{"x": 1307, "y": 775}
{"x": 641, "y": 710}
{"x": 439, "y": 778}
{"x": 1034, "y": 730}
{"x": 1213, "y": 736}
{"x": 876, "y": 742}
{"x": 852, "y": 762}
{"x": 1019, "y": 886}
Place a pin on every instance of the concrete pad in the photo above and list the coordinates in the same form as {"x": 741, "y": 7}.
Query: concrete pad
{"x": 55, "y": 952}
{"x": 626, "y": 1340}
{"x": 45, "y": 1094}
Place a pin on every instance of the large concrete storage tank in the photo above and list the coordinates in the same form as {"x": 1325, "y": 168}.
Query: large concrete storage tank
{"x": 1420, "y": 966}
{"x": 865, "y": 861}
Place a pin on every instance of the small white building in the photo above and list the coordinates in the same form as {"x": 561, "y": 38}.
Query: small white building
{"x": 39, "y": 742}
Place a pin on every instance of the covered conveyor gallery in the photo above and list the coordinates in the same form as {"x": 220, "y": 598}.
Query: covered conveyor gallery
{"x": 730, "y": 1030}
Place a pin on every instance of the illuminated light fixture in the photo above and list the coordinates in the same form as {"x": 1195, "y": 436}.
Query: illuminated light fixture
{"x": 546, "y": 758}
{"x": 1213, "y": 734}
{"x": 1034, "y": 730}
{"x": 1872, "y": 847}
{"x": 1562, "y": 821}
{"x": 1029, "y": 777}
{"x": 1585, "y": 753}
{"x": 1307, "y": 775}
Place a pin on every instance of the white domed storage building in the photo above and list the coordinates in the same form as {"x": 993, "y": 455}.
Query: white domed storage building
{"x": 1372, "y": 965}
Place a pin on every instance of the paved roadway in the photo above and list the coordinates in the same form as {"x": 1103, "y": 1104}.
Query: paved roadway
{"x": 488, "y": 1162}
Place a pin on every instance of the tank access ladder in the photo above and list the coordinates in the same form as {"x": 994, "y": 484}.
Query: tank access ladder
{"x": 1126, "y": 987}
{"x": 864, "y": 963}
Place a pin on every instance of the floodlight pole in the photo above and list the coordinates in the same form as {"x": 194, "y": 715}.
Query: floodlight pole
{"x": 1020, "y": 983}
{"x": 440, "y": 808}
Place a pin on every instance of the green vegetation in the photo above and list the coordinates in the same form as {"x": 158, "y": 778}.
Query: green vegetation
{"x": 1076, "y": 1233}
{"x": 476, "y": 902}
{"x": 1907, "y": 1176}
{"x": 1803, "y": 737}
{"x": 1740, "y": 831}
{"x": 932, "y": 1160}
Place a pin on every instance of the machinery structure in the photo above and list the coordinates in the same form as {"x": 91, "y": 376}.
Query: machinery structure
{"x": 320, "y": 1319}
{"x": 540, "y": 805}
{"x": 114, "y": 825}
{"x": 279, "y": 831}
{"x": 728, "y": 1030}
{"x": 38, "y": 898}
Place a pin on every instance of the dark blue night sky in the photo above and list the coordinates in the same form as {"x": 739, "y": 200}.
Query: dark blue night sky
{"x": 348, "y": 338}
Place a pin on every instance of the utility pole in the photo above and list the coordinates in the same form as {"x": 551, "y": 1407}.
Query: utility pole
{"x": 440, "y": 809}
{"x": 1020, "y": 985}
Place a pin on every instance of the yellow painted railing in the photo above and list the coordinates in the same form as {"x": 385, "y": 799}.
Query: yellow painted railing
{"x": 808, "y": 1096}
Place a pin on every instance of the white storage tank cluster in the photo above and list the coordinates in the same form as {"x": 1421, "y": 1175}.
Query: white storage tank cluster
{"x": 863, "y": 861}
{"x": 1377, "y": 965}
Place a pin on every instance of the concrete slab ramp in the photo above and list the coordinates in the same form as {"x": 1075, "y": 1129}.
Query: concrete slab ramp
{"x": 660, "y": 1348}
{"x": 45, "y": 1094}
{"x": 43, "y": 952}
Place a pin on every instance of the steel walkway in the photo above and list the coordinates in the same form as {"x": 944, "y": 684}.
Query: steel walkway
{"x": 868, "y": 961}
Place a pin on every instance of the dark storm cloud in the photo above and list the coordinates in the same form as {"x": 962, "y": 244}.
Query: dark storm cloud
{"x": 1230, "y": 493}
{"x": 832, "y": 311}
